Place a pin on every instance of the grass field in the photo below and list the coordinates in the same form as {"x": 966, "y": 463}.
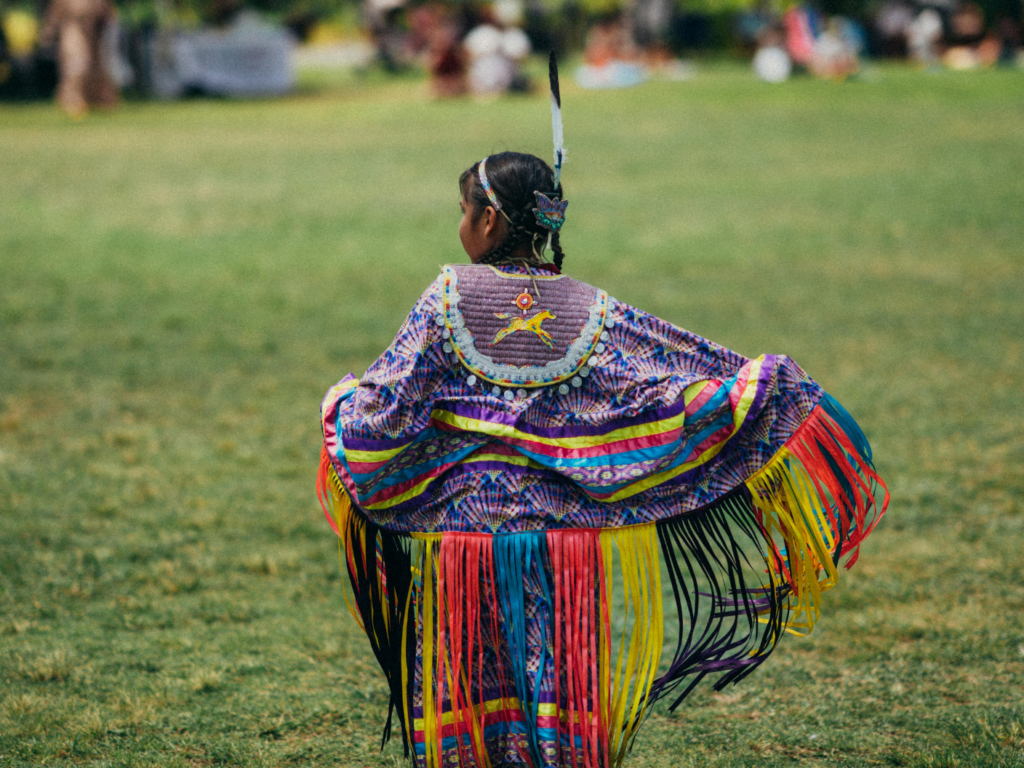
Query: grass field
{"x": 180, "y": 283}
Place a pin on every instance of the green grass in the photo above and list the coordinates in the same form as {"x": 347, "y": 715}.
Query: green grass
{"x": 180, "y": 283}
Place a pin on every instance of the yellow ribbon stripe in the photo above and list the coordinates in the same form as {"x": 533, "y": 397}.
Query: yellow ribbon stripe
{"x": 467, "y": 424}
{"x": 749, "y": 392}
{"x": 372, "y": 457}
{"x": 417, "y": 489}
{"x": 494, "y": 705}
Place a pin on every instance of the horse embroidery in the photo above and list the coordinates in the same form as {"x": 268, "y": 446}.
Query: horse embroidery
{"x": 533, "y": 325}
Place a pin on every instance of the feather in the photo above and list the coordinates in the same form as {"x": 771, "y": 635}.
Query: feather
{"x": 556, "y": 117}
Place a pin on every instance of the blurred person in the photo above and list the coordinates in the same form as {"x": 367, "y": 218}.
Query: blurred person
{"x": 445, "y": 55}
{"x": 19, "y": 35}
{"x": 610, "y": 57}
{"x": 834, "y": 57}
{"x": 969, "y": 45}
{"x": 79, "y": 27}
{"x": 650, "y": 26}
{"x": 826, "y": 51}
{"x": 527, "y": 446}
{"x": 247, "y": 57}
{"x": 989, "y": 49}
{"x": 608, "y": 41}
{"x": 420, "y": 19}
{"x": 891, "y": 23}
{"x": 384, "y": 22}
{"x": 799, "y": 23}
{"x": 516, "y": 45}
{"x": 490, "y": 71}
{"x": 966, "y": 25}
{"x": 771, "y": 63}
{"x": 496, "y": 54}
{"x": 651, "y": 20}
{"x": 116, "y": 50}
{"x": 924, "y": 34}
{"x": 658, "y": 61}
{"x": 1010, "y": 37}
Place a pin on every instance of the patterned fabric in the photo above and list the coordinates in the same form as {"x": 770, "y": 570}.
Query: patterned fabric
{"x": 423, "y": 444}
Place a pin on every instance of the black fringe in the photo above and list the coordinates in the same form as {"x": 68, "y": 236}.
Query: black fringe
{"x": 719, "y": 596}
{"x": 384, "y": 619}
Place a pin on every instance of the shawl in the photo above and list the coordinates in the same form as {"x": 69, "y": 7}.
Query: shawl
{"x": 555, "y": 509}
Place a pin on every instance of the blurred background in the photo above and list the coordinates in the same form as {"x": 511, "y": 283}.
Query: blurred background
{"x": 168, "y": 49}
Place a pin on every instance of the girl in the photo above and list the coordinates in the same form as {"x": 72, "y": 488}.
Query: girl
{"x": 557, "y": 509}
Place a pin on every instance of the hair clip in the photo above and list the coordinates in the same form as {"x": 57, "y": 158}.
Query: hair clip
{"x": 550, "y": 212}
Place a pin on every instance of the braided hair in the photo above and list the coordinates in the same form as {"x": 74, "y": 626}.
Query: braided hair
{"x": 514, "y": 176}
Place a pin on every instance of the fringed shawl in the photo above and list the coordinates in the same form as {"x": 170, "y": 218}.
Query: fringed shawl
{"x": 556, "y": 509}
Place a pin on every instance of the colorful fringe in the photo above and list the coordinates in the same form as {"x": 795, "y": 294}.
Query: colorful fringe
{"x": 545, "y": 649}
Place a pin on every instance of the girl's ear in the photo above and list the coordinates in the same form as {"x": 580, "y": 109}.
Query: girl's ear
{"x": 490, "y": 220}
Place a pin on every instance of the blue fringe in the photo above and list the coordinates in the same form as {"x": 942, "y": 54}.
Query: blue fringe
{"x": 515, "y": 556}
{"x": 849, "y": 426}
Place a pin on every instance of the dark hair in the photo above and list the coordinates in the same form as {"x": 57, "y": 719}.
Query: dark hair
{"x": 513, "y": 176}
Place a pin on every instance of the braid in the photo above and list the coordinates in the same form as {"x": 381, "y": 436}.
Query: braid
{"x": 515, "y": 237}
{"x": 557, "y": 248}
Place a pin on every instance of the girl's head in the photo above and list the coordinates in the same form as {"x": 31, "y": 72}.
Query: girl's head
{"x": 513, "y": 233}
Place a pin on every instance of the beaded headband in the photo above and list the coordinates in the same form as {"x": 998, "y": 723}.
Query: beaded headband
{"x": 487, "y": 185}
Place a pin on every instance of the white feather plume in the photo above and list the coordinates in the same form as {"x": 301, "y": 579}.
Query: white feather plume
{"x": 556, "y": 130}
{"x": 556, "y": 118}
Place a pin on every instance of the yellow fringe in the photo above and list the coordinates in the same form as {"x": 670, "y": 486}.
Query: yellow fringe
{"x": 340, "y": 507}
{"x": 641, "y": 590}
{"x": 431, "y": 709}
{"x": 801, "y": 531}
{"x": 406, "y": 704}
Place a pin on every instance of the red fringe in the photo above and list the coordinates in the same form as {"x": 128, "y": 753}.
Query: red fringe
{"x": 581, "y": 608}
{"x": 820, "y": 437}
{"x": 323, "y": 488}
{"x": 326, "y": 497}
{"x": 465, "y": 577}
